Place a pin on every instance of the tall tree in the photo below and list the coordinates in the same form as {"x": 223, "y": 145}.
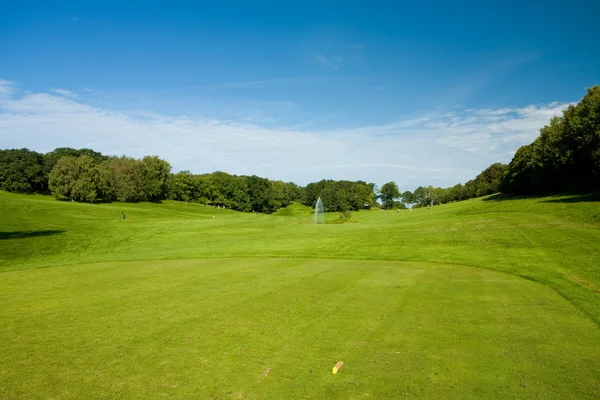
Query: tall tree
{"x": 566, "y": 155}
{"x": 21, "y": 171}
{"x": 126, "y": 178}
{"x": 182, "y": 186}
{"x": 81, "y": 179}
{"x": 408, "y": 198}
{"x": 261, "y": 194}
{"x": 155, "y": 178}
{"x": 389, "y": 194}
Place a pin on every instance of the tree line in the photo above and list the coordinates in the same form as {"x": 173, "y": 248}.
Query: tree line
{"x": 240, "y": 193}
{"x": 486, "y": 183}
{"x": 565, "y": 157}
{"x": 340, "y": 195}
{"x": 88, "y": 176}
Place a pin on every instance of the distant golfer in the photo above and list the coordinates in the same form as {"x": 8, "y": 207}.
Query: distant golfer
{"x": 123, "y": 216}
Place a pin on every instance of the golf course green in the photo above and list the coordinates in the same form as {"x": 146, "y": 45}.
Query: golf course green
{"x": 495, "y": 297}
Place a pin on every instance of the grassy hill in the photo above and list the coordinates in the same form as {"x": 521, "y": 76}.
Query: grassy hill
{"x": 182, "y": 300}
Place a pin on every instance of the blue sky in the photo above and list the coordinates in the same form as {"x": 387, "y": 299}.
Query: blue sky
{"x": 416, "y": 92}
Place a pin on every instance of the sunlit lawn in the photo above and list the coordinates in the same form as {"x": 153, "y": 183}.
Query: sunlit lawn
{"x": 172, "y": 302}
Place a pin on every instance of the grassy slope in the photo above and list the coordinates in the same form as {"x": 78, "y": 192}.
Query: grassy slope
{"x": 147, "y": 328}
{"x": 549, "y": 240}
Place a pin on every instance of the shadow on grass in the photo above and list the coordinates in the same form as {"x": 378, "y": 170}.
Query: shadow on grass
{"x": 561, "y": 197}
{"x": 505, "y": 197}
{"x": 577, "y": 198}
{"x": 28, "y": 234}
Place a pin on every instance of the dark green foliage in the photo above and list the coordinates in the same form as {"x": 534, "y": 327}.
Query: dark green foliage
{"x": 182, "y": 186}
{"x": 346, "y": 214}
{"x": 422, "y": 196}
{"x": 312, "y": 192}
{"x": 26, "y": 171}
{"x": 340, "y": 195}
{"x": 261, "y": 194}
{"x": 566, "y": 155}
{"x": 388, "y": 195}
{"x": 51, "y": 158}
{"x": 126, "y": 178}
{"x": 238, "y": 196}
{"x": 21, "y": 171}
{"x": 408, "y": 198}
{"x": 84, "y": 175}
{"x": 487, "y": 182}
{"x": 240, "y": 193}
{"x": 81, "y": 179}
{"x": 155, "y": 177}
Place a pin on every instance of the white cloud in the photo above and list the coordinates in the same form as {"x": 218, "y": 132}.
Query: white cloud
{"x": 333, "y": 63}
{"x": 6, "y": 87}
{"x": 455, "y": 147}
{"x": 66, "y": 93}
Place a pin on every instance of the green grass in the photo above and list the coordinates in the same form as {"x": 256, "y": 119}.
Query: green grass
{"x": 173, "y": 302}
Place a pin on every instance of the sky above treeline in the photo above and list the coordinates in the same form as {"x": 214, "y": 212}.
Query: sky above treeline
{"x": 420, "y": 93}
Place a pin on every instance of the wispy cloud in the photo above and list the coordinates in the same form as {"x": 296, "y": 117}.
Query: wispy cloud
{"x": 332, "y": 62}
{"x": 6, "y": 87}
{"x": 66, "y": 93}
{"x": 435, "y": 148}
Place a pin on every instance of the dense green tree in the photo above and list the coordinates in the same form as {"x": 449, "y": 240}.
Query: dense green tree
{"x": 126, "y": 178}
{"x": 389, "y": 194}
{"x": 261, "y": 194}
{"x": 566, "y": 155}
{"x": 313, "y": 191}
{"x": 488, "y": 181}
{"x": 182, "y": 186}
{"x": 87, "y": 175}
{"x": 86, "y": 185}
{"x": 437, "y": 195}
{"x": 408, "y": 198}
{"x": 335, "y": 197}
{"x": 340, "y": 195}
{"x": 454, "y": 193}
{"x": 238, "y": 194}
{"x": 420, "y": 196}
{"x": 155, "y": 178}
{"x": 63, "y": 176}
{"x": 52, "y": 157}
{"x": 21, "y": 171}
{"x": 81, "y": 179}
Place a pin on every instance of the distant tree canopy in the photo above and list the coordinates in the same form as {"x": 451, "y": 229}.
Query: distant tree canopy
{"x": 408, "y": 198}
{"x": 88, "y": 176}
{"x": 487, "y": 182}
{"x": 340, "y": 195}
{"x": 566, "y": 155}
{"x": 240, "y": 193}
{"x": 21, "y": 171}
{"x": 389, "y": 193}
{"x": 564, "y": 158}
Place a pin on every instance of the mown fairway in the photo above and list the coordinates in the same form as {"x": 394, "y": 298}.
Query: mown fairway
{"x": 175, "y": 303}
